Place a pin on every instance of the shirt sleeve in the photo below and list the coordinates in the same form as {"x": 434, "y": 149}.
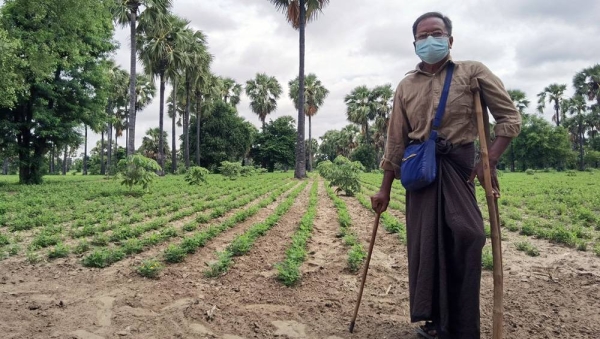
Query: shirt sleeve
{"x": 397, "y": 136}
{"x": 503, "y": 109}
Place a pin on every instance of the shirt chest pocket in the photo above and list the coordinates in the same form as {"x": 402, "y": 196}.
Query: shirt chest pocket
{"x": 460, "y": 99}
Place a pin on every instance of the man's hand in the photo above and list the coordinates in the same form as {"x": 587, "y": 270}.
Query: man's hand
{"x": 380, "y": 201}
{"x": 478, "y": 172}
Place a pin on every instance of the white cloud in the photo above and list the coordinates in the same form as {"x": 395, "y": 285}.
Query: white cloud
{"x": 528, "y": 44}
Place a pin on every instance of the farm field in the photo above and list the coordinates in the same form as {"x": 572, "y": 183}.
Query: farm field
{"x": 78, "y": 256}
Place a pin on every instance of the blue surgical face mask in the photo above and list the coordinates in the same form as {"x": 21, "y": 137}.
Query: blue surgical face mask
{"x": 432, "y": 50}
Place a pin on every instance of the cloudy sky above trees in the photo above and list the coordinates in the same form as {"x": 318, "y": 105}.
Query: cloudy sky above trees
{"x": 529, "y": 44}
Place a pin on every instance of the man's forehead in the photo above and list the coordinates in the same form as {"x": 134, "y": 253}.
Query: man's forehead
{"x": 430, "y": 23}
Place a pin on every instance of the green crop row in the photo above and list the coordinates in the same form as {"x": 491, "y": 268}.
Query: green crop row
{"x": 289, "y": 269}
{"x": 244, "y": 242}
{"x": 356, "y": 254}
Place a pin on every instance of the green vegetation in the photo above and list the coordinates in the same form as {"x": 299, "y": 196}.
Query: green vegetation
{"x": 289, "y": 269}
{"x": 150, "y": 268}
{"x": 527, "y": 247}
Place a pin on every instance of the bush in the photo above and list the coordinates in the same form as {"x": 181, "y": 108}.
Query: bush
{"x": 342, "y": 173}
{"x": 247, "y": 171}
{"x": 150, "y": 268}
{"x": 196, "y": 175}
{"x": 138, "y": 170}
{"x": 530, "y": 172}
{"x": 231, "y": 170}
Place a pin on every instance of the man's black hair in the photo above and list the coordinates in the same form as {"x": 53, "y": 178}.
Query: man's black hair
{"x": 445, "y": 19}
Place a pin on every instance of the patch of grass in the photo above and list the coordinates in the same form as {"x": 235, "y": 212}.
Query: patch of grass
{"x": 487, "y": 259}
{"x": 581, "y": 245}
{"x": 528, "y": 248}
{"x": 100, "y": 240}
{"x": 597, "y": 249}
{"x": 4, "y": 239}
{"x": 174, "y": 254}
{"x": 44, "y": 240}
{"x": 150, "y": 268}
{"x": 356, "y": 256}
{"x": 103, "y": 257}
{"x": 13, "y": 249}
{"x": 224, "y": 260}
{"x": 82, "y": 247}
{"x": 561, "y": 235}
{"x": 133, "y": 246}
{"x": 32, "y": 257}
{"x": 59, "y": 251}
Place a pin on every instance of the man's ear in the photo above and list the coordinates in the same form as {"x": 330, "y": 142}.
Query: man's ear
{"x": 450, "y": 42}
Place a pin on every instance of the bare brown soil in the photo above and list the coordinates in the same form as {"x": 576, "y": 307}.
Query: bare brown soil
{"x": 556, "y": 295}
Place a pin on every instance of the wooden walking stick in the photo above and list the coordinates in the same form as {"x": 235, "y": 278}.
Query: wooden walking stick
{"x": 364, "y": 277}
{"x": 492, "y": 202}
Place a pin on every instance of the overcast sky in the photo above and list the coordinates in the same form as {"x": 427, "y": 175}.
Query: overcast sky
{"x": 529, "y": 44}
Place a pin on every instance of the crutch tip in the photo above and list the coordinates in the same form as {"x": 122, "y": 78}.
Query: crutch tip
{"x": 352, "y": 327}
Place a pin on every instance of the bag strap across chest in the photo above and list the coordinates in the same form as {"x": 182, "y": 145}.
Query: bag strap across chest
{"x": 439, "y": 114}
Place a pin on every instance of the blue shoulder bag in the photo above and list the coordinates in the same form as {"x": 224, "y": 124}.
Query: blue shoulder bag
{"x": 419, "y": 166}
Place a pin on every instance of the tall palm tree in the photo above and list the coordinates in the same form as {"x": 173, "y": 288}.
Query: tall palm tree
{"x": 263, "y": 92}
{"x": 196, "y": 69}
{"x": 587, "y": 83}
{"x": 206, "y": 90}
{"x": 117, "y": 99}
{"x": 230, "y": 91}
{"x": 314, "y": 97}
{"x": 382, "y": 97}
{"x": 160, "y": 53}
{"x": 361, "y": 109}
{"x": 298, "y": 13}
{"x": 554, "y": 93}
{"x": 151, "y": 143}
{"x": 127, "y": 13}
{"x": 577, "y": 109}
{"x": 519, "y": 98}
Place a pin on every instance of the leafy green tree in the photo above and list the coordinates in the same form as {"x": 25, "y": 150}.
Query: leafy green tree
{"x": 360, "y": 109}
{"x": 225, "y": 136}
{"x": 519, "y": 98}
{"x": 578, "y": 109}
{"x": 263, "y": 92}
{"x": 299, "y": 13}
{"x": 151, "y": 143}
{"x": 230, "y": 91}
{"x": 64, "y": 80}
{"x": 383, "y": 98}
{"x": 159, "y": 53}
{"x": 12, "y": 84}
{"x": 127, "y": 13}
{"x": 540, "y": 145}
{"x": 366, "y": 155}
{"x": 587, "y": 83}
{"x": 276, "y": 145}
{"x": 554, "y": 94}
{"x": 314, "y": 97}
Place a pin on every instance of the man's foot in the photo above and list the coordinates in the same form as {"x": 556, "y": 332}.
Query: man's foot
{"x": 427, "y": 331}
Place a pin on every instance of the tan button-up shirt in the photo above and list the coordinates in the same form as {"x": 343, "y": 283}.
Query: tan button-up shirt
{"x": 418, "y": 95}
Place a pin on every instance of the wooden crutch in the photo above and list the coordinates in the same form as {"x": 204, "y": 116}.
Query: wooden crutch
{"x": 492, "y": 202}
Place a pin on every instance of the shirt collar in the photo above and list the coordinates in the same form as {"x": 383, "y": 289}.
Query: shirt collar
{"x": 418, "y": 67}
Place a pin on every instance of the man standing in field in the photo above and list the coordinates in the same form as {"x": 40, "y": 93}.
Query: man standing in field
{"x": 444, "y": 225}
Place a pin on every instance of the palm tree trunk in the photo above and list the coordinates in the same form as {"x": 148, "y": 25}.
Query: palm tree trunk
{"x": 52, "y": 159}
{"x": 310, "y": 157}
{"x": 126, "y": 133}
{"x": 198, "y": 111}
{"x": 161, "y": 115}
{"x": 512, "y": 157}
{"x": 110, "y": 131}
{"x": 64, "y": 167}
{"x": 85, "y": 152}
{"x": 557, "y": 108}
{"x": 186, "y": 121}
{"x": 5, "y": 166}
{"x": 581, "y": 140}
{"x": 300, "y": 168}
{"x": 102, "y": 164}
{"x": 173, "y": 138}
{"x": 132, "y": 77}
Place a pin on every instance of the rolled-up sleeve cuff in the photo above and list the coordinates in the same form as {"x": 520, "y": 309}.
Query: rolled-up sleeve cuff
{"x": 507, "y": 130}
{"x": 389, "y": 165}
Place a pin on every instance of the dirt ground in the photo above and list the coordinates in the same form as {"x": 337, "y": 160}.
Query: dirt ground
{"x": 556, "y": 295}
